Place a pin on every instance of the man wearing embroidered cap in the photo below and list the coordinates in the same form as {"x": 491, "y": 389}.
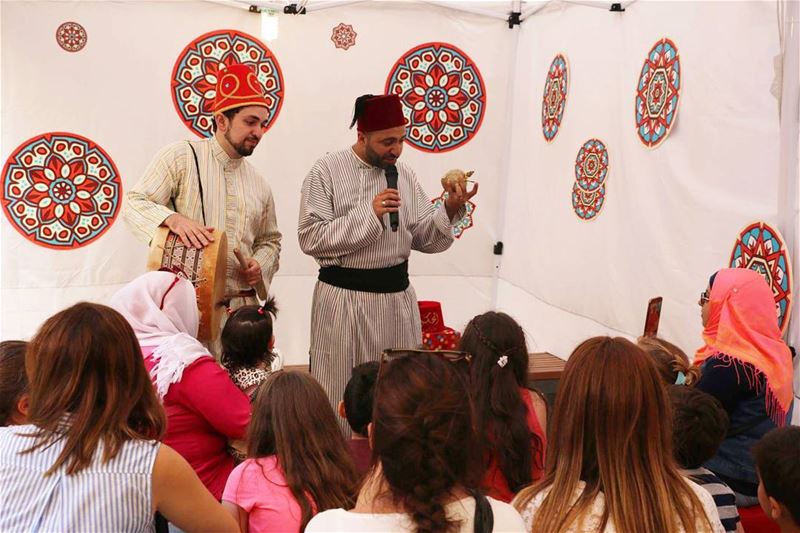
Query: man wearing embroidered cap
{"x": 192, "y": 187}
{"x": 363, "y": 302}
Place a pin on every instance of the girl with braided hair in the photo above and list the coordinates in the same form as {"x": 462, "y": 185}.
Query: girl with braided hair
{"x": 248, "y": 345}
{"x": 423, "y": 444}
{"x": 509, "y": 417}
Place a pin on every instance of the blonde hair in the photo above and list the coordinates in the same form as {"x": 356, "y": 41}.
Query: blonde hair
{"x": 613, "y": 431}
{"x": 670, "y": 360}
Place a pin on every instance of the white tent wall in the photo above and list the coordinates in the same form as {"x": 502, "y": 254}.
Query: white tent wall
{"x": 116, "y": 93}
{"x": 671, "y": 214}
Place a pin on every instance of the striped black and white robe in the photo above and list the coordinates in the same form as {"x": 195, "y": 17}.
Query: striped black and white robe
{"x": 338, "y": 227}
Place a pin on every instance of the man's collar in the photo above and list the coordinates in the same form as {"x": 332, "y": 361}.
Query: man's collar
{"x": 222, "y": 156}
{"x": 361, "y": 163}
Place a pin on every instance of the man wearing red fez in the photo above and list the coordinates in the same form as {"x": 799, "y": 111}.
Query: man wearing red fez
{"x": 192, "y": 187}
{"x": 363, "y": 302}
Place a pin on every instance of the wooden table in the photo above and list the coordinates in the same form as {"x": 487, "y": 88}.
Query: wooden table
{"x": 545, "y": 367}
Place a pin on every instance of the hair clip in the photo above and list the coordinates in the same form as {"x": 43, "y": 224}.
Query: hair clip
{"x": 681, "y": 379}
{"x": 261, "y": 311}
{"x": 502, "y": 361}
{"x": 228, "y": 310}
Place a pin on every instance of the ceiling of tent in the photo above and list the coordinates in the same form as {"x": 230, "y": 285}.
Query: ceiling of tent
{"x": 498, "y": 9}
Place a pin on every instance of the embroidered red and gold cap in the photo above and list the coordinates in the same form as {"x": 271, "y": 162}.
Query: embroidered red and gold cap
{"x": 238, "y": 86}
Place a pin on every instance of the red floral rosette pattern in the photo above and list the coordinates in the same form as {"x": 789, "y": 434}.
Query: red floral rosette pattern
{"x": 658, "y": 93}
{"x": 443, "y": 95}
{"x": 343, "y": 36}
{"x": 195, "y": 74}
{"x": 61, "y": 190}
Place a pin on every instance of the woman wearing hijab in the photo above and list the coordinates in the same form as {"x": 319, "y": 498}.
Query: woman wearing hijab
{"x": 747, "y": 367}
{"x": 205, "y": 410}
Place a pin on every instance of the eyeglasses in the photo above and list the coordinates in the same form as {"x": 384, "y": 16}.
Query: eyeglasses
{"x": 704, "y": 297}
{"x": 451, "y": 356}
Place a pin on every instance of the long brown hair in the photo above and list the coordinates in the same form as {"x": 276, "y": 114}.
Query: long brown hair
{"x": 13, "y": 382}
{"x": 612, "y": 429}
{"x": 293, "y": 419}
{"x": 88, "y": 384}
{"x": 499, "y": 409}
{"x": 423, "y": 436}
{"x": 670, "y": 360}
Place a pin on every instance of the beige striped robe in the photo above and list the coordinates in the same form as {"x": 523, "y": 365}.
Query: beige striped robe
{"x": 337, "y": 226}
{"x": 237, "y": 200}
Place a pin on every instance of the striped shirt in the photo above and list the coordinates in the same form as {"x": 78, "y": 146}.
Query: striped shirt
{"x": 723, "y": 496}
{"x": 338, "y": 226}
{"x": 112, "y": 496}
{"x": 237, "y": 200}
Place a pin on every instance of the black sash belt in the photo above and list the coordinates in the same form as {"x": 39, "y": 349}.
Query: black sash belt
{"x": 383, "y": 280}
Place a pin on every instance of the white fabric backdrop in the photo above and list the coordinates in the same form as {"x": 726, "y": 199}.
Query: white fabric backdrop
{"x": 671, "y": 214}
{"x": 116, "y": 92}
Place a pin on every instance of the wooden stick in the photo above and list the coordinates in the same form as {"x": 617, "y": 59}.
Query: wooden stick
{"x": 261, "y": 289}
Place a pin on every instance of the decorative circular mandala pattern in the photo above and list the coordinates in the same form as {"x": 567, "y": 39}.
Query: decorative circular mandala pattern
{"x": 443, "y": 96}
{"x": 343, "y": 36}
{"x": 61, "y": 190}
{"x": 466, "y": 222}
{"x": 761, "y": 248}
{"x": 194, "y": 77}
{"x": 71, "y": 37}
{"x": 658, "y": 93}
{"x": 587, "y": 204}
{"x": 591, "y": 165}
{"x": 555, "y": 97}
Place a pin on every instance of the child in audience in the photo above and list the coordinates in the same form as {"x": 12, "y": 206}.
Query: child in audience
{"x": 699, "y": 424}
{"x": 424, "y": 444}
{"x": 298, "y": 463}
{"x": 89, "y": 459}
{"x": 609, "y": 465}
{"x": 13, "y": 383}
{"x": 672, "y": 363}
{"x": 247, "y": 344}
{"x": 356, "y": 407}
{"x": 777, "y": 457}
{"x": 510, "y": 416}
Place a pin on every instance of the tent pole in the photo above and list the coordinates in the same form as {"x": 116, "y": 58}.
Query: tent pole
{"x": 502, "y": 196}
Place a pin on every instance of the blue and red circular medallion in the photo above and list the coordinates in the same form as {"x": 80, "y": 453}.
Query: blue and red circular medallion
{"x": 443, "y": 95}
{"x": 194, "y": 76}
{"x": 61, "y": 190}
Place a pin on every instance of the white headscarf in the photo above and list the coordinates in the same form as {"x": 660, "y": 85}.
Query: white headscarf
{"x": 172, "y": 330}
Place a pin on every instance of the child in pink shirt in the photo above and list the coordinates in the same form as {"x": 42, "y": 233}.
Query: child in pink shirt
{"x": 298, "y": 463}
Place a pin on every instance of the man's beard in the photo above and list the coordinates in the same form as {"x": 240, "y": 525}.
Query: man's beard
{"x": 240, "y": 148}
{"x": 374, "y": 159}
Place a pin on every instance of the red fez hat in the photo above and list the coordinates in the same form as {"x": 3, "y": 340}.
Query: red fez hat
{"x": 381, "y": 113}
{"x": 435, "y": 335}
{"x": 238, "y": 86}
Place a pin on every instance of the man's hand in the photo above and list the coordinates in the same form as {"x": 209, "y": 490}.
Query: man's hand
{"x": 252, "y": 274}
{"x": 387, "y": 201}
{"x": 456, "y": 198}
{"x": 190, "y": 232}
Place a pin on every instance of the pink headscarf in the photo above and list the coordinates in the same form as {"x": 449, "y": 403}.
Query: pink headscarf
{"x": 162, "y": 310}
{"x": 743, "y": 325}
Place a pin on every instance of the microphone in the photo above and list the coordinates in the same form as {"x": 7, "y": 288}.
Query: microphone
{"x": 391, "y": 182}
